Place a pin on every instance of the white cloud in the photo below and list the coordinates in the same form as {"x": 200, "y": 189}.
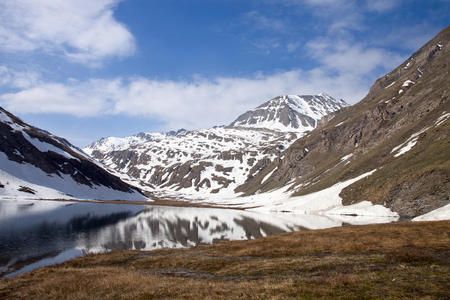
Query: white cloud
{"x": 382, "y": 5}
{"x": 84, "y": 31}
{"x": 337, "y": 16}
{"x": 355, "y": 58}
{"x": 57, "y": 98}
{"x": 259, "y": 21}
{"x": 18, "y": 79}
{"x": 345, "y": 69}
{"x": 409, "y": 38}
{"x": 316, "y": 2}
{"x": 291, "y": 47}
{"x": 190, "y": 104}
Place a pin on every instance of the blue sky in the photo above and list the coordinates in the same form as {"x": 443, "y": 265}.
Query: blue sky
{"x": 86, "y": 69}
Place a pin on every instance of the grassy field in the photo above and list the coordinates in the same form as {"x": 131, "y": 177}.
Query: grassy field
{"x": 394, "y": 261}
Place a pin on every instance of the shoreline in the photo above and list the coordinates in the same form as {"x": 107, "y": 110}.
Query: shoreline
{"x": 153, "y": 202}
{"x": 361, "y": 261}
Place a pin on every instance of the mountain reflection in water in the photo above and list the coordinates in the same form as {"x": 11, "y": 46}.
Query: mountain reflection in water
{"x": 39, "y": 233}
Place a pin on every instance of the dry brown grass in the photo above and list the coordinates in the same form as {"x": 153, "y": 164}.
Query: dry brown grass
{"x": 402, "y": 260}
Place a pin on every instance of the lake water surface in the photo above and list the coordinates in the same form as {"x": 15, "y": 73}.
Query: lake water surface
{"x": 41, "y": 233}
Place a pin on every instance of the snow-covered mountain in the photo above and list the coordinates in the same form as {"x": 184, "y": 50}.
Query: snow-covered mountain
{"x": 290, "y": 112}
{"x": 390, "y": 149}
{"x": 387, "y": 155}
{"x": 196, "y": 162}
{"x": 34, "y": 164}
{"x": 216, "y": 160}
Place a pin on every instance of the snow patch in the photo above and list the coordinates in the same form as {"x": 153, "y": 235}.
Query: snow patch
{"x": 406, "y": 148}
{"x": 442, "y": 213}
{"x": 324, "y": 202}
{"x": 408, "y": 64}
{"x": 445, "y": 116}
{"x": 52, "y": 186}
{"x": 409, "y": 143}
{"x": 408, "y": 83}
{"x": 346, "y": 157}
{"x": 390, "y": 85}
{"x": 363, "y": 208}
{"x": 46, "y": 147}
{"x": 268, "y": 175}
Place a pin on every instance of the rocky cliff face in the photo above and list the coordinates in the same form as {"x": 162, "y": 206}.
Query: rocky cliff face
{"x": 219, "y": 159}
{"x": 35, "y": 163}
{"x": 400, "y": 128}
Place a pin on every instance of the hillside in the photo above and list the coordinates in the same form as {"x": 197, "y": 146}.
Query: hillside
{"x": 34, "y": 164}
{"x": 399, "y": 132}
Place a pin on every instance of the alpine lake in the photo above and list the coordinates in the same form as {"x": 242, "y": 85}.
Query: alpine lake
{"x": 40, "y": 233}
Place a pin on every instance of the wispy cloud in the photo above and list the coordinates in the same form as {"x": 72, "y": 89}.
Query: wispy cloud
{"x": 316, "y": 2}
{"x": 12, "y": 78}
{"x": 340, "y": 66}
{"x": 348, "y": 57}
{"x": 382, "y": 5}
{"x": 259, "y": 21}
{"x": 191, "y": 104}
{"x": 83, "y": 31}
{"x": 292, "y": 46}
{"x": 408, "y": 38}
{"x": 344, "y": 69}
{"x": 341, "y": 15}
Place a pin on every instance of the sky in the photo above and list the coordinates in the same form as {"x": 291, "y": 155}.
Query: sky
{"x": 86, "y": 69}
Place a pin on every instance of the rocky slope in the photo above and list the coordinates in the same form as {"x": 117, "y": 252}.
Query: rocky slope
{"x": 36, "y": 164}
{"x": 290, "y": 112}
{"x": 400, "y": 129}
{"x": 216, "y": 160}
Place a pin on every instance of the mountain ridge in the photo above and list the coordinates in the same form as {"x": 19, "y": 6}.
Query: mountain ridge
{"x": 38, "y": 164}
{"x": 215, "y": 160}
{"x": 400, "y": 129}
{"x": 290, "y": 112}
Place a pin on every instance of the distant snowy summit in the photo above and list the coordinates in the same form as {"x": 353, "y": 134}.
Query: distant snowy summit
{"x": 290, "y": 112}
{"x": 122, "y": 143}
{"x": 287, "y": 113}
{"x": 216, "y": 160}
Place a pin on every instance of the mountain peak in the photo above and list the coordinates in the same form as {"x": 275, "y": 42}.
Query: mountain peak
{"x": 215, "y": 160}
{"x": 296, "y": 113}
